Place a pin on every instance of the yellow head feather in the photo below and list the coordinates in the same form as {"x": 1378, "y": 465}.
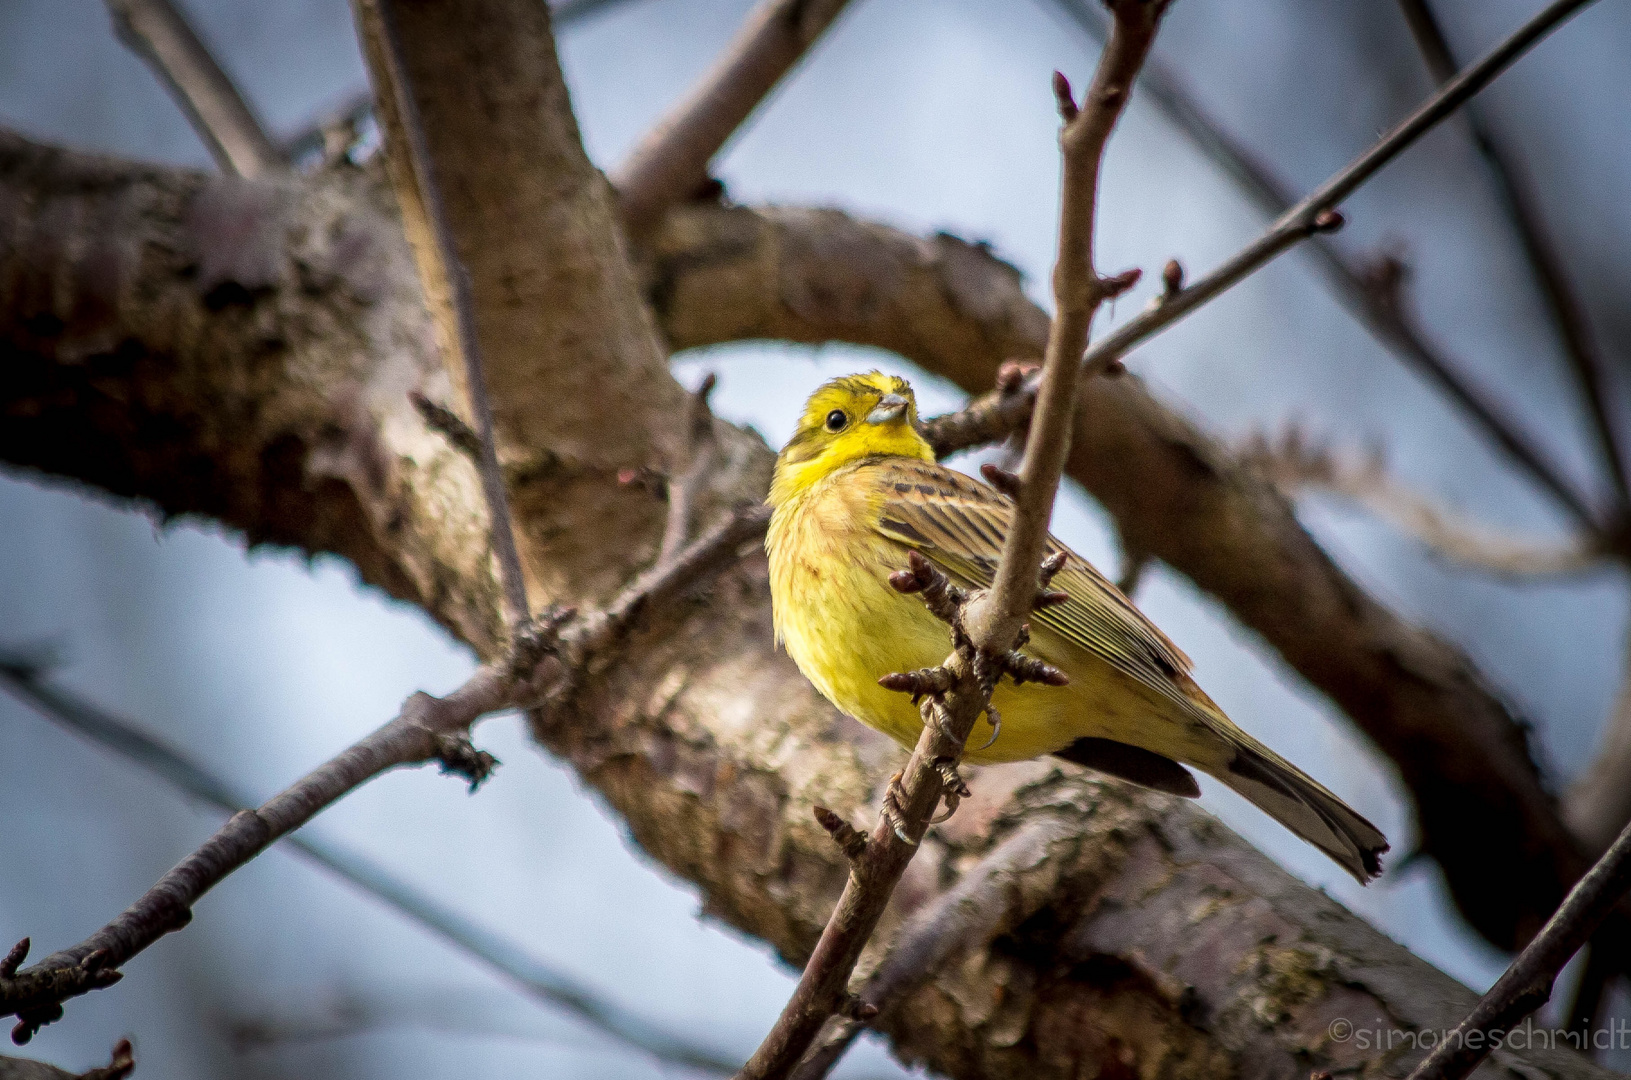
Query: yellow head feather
{"x": 847, "y": 419}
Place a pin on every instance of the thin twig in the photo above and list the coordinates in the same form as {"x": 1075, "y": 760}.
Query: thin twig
{"x": 1527, "y": 983}
{"x": 537, "y": 979}
{"x": 686, "y": 484}
{"x": 987, "y": 627}
{"x": 1518, "y": 201}
{"x": 157, "y": 32}
{"x": 449, "y": 424}
{"x": 1295, "y": 464}
{"x": 511, "y": 576}
{"x": 1378, "y": 309}
{"x": 1316, "y": 212}
{"x": 566, "y": 12}
{"x": 964, "y": 917}
{"x": 427, "y": 729}
{"x": 995, "y": 415}
{"x": 671, "y": 163}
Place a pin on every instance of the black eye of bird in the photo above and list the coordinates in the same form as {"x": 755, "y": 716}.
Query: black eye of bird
{"x": 836, "y": 420}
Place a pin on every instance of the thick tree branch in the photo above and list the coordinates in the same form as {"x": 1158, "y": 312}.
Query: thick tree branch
{"x": 565, "y": 338}
{"x": 426, "y": 197}
{"x": 557, "y": 989}
{"x": 259, "y": 377}
{"x": 1375, "y": 302}
{"x": 333, "y": 131}
{"x": 156, "y": 31}
{"x": 1518, "y": 200}
{"x": 671, "y": 163}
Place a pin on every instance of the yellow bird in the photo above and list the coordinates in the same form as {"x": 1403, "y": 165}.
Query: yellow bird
{"x": 857, "y": 488}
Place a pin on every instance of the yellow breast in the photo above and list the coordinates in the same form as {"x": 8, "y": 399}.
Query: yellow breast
{"x": 842, "y": 623}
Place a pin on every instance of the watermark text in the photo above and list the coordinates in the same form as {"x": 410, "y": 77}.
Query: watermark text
{"x": 1526, "y": 1036}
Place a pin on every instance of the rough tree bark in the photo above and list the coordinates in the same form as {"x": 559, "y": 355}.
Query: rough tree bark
{"x": 243, "y": 352}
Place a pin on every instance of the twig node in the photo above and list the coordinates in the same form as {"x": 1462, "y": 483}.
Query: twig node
{"x": 850, "y": 840}
{"x": 458, "y": 756}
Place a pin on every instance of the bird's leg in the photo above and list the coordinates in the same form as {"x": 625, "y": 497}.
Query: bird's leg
{"x": 952, "y": 787}
{"x": 892, "y": 812}
{"x": 929, "y": 686}
{"x": 951, "y": 784}
{"x": 1014, "y": 663}
{"x": 1046, "y": 597}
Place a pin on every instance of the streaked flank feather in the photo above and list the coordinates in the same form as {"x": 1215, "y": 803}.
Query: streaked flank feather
{"x": 857, "y": 488}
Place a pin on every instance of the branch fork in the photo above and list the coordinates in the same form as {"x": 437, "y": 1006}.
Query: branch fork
{"x": 850, "y": 840}
{"x": 40, "y": 991}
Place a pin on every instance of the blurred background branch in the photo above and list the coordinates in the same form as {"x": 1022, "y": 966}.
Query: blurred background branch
{"x": 1298, "y": 466}
{"x": 160, "y": 34}
{"x": 671, "y": 163}
{"x": 1517, "y": 198}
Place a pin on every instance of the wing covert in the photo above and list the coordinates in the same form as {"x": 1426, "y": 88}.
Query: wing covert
{"x": 960, "y": 524}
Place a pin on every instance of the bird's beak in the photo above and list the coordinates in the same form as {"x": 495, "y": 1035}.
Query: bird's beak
{"x": 890, "y": 407}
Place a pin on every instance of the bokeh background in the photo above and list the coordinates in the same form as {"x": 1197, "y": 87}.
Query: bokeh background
{"x": 928, "y": 114}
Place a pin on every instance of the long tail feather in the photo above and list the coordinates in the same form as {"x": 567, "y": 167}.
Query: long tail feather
{"x": 1304, "y": 806}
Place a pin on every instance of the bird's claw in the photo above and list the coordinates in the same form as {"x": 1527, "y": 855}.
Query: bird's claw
{"x": 952, "y": 788}
{"x": 892, "y": 812}
{"x": 995, "y": 719}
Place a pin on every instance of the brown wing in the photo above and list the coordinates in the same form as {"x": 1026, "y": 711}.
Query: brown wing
{"x": 960, "y": 524}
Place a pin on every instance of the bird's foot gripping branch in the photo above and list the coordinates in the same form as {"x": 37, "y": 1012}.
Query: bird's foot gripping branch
{"x": 951, "y": 697}
{"x": 930, "y": 687}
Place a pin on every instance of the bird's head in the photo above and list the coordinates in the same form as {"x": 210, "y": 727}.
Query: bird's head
{"x": 847, "y": 419}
